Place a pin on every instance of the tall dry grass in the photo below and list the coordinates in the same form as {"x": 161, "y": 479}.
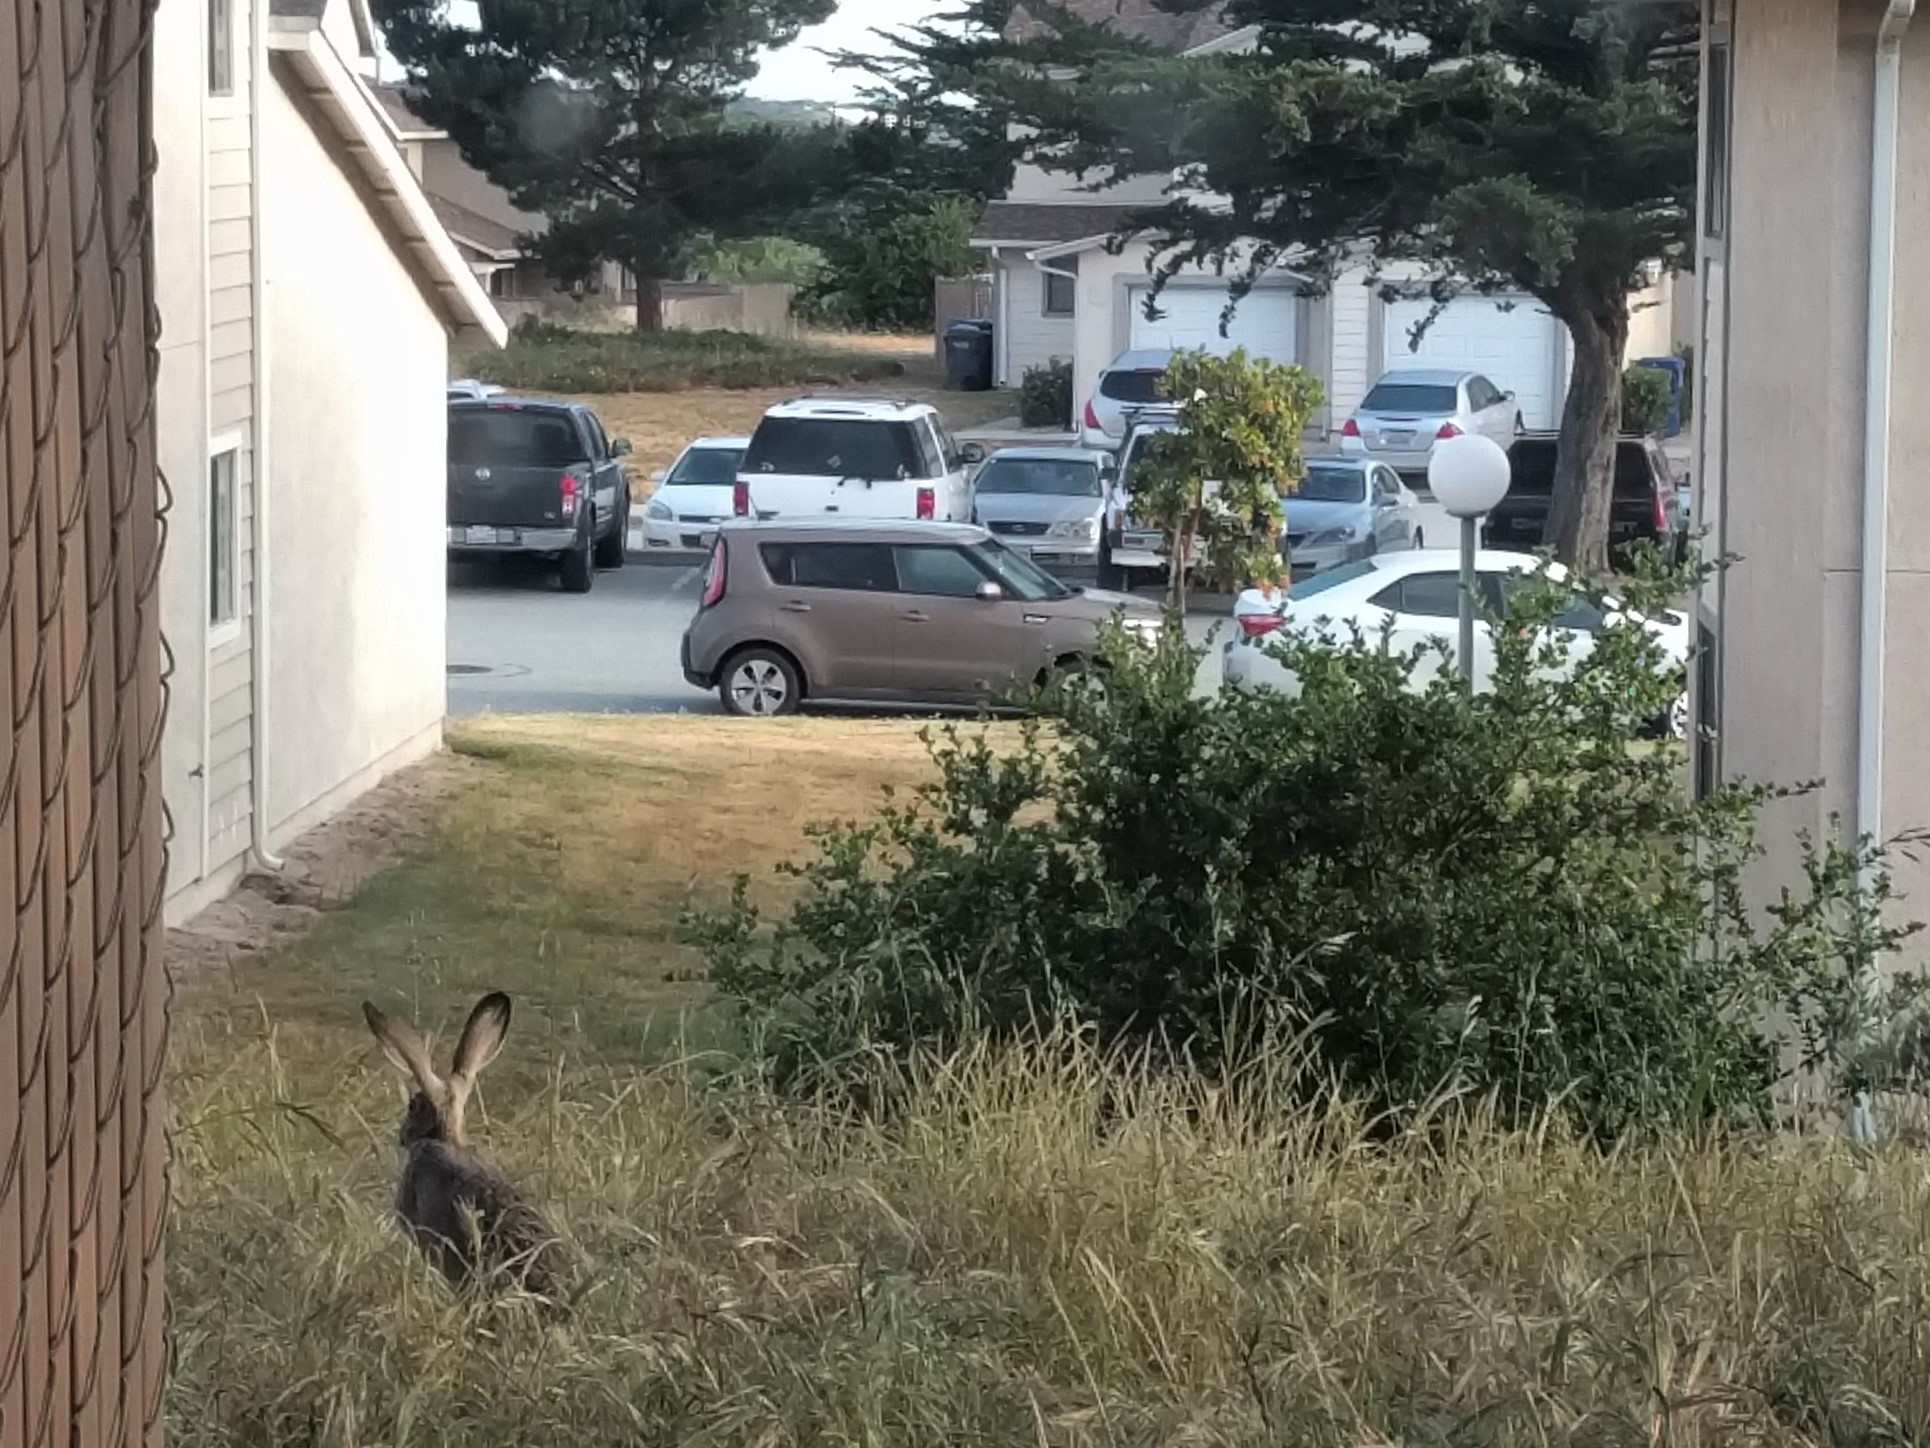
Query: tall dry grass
{"x": 1041, "y": 1247}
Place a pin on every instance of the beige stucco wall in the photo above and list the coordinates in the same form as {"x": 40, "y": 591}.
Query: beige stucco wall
{"x": 357, "y": 456}
{"x": 1781, "y": 445}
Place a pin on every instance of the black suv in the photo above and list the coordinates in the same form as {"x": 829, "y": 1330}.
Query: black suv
{"x": 1642, "y": 510}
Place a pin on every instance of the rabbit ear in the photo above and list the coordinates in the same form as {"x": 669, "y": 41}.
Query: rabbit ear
{"x": 482, "y": 1037}
{"x": 405, "y": 1047}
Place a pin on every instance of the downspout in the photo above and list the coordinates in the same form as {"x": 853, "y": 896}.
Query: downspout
{"x": 258, "y": 645}
{"x": 1002, "y": 283}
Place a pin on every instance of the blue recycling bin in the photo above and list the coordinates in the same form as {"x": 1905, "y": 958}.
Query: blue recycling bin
{"x": 1676, "y": 369}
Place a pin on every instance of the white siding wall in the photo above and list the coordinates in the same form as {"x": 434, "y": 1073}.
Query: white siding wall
{"x": 1352, "y": 309}
{"x": 358, "y": 449}
{"x": 1032, "y": 338}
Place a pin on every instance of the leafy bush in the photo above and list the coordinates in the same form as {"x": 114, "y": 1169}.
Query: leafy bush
{"x": 1045, "y": 396}
{"x": 755, "y": 259}
{"x": 1497, "y": 895}
{"x": 543, "y": 358}
{"x": 1645, "y": 400}
{"x": 882, "y": 262}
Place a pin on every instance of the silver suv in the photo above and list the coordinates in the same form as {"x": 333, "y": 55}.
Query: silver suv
{"x": 867, "y": 612}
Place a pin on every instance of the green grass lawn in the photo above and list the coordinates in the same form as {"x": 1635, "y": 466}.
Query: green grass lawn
{"x": 1042, "y": 1248}
{"x": 557, "y": 359}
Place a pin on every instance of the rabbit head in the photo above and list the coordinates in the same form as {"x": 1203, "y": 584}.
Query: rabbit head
{"x": 436, "y": 1108}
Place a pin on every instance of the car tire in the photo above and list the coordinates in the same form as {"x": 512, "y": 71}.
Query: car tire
{"x": 1111, "y": 576}
{"x": 612, "y": 551}
{"x": 759, "y": 683}
{"x": 1086, "y": 675}
{"x": 576, "y": 570}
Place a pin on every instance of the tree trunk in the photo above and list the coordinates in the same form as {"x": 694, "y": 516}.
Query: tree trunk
{"x": 649, "y": 305}
{"x": 1591, "y": 417}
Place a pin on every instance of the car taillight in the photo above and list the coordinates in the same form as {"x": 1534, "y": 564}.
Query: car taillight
{"x": 927, "y": 503}
{"x": 1448, "y": 429}
{"x": 1259, "y": 625}
{"x": 740, "y": 498}
{"x": 714, "y": 575}
{"x": 569, "y": 495}
{"x": 1350, "y": 428}
{"x": 1092, "y": 418}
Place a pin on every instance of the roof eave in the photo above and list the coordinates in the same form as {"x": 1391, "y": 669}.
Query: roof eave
{"x": 333, "y": 88}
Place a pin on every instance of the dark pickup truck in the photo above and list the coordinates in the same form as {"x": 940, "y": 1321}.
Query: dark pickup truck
{"x": 1642, "y": 510}
{"x": 533, "y": 477}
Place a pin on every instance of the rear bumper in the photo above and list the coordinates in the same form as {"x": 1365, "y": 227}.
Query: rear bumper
{"x": 663, "y": 535}
{"x": 695, "y": 677}
{"x": 466, "y": 539}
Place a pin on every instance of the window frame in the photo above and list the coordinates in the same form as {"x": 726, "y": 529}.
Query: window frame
{"x": 765, "y": 551}
{"x": 963, "y": 553}
{"x": 223, "y": 624}
{"x": 1399, "y": 586}
{"x": 220, "y": 90}
{"x": 1065, "y": 275}
{"x": 1718, "y": 86}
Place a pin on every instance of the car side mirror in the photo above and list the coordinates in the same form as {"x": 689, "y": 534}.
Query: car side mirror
{"x": 973, "y": 453}
{"x": 989, "y": 592}
{"x": 620, "y": 448}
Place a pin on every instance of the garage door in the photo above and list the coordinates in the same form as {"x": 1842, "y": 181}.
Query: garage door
{"x": 1264, "y": 324}
{"x": 1513, "y": 341}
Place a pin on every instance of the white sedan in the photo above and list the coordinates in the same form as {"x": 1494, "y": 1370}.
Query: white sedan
{"x": 1417, "y": 597}
{"x": 694, "y": 495}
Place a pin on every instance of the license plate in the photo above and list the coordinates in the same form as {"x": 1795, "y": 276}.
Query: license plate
{"x": 1396, "y": 439}
{"x": 475, "y": 534}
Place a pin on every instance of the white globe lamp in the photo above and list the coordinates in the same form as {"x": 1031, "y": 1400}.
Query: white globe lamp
{"x": 1468, "y": 475}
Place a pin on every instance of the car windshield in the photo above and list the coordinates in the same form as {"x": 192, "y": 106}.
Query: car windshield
{"x": 1048, "y": 477}
{"x": 1018, "y": 575}
{"x": 1136, "y": 449}
{"x": 1333, "y": 485}
{"x": 705, "y": 465}
{"x": 1531, "y": 466}
{"x": 831, "y": 447}
{"x": 1410, "y": 397}
{"x": 506, "y": 437}
{"x": 1332, "y": 578}
{"x": 1135, "y": 386}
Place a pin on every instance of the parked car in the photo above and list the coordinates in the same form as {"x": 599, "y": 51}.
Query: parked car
{"x": 1135, "y": 549}
{"x": 878, "y": 612}
{"x": 1410, "y": 409}
{"x": 536, "y": 477}
{"x": 468, "y": 389}
{"x": 1640, "y": 511}
{"x": 1131, "y": 381}
{"x": 694, "y": 494}
{"x": 1348, "y": 508}
{"x": 1049, "y": 502}
{"x": 855, "y": 457}
{"x": 1418, "y": 596}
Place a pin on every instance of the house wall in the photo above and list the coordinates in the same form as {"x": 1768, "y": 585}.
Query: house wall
{"x": 358, "y": 448}
{"x": 203, "y": 271}
{"x": 1779, "y": 463}
{"x": 1031, "y": 337}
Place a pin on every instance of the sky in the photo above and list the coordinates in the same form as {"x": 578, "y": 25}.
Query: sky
{"x": 798, "y": 73}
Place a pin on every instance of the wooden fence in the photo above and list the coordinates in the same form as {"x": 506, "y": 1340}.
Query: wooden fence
{"x": 82, "y": 999}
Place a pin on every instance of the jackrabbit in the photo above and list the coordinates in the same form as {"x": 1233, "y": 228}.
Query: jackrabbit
{"x": 461, "y": 1211}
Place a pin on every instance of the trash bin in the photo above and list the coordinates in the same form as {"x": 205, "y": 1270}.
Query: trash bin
{"x": 1674, "y": 368}
{"x": 968, "y": 354}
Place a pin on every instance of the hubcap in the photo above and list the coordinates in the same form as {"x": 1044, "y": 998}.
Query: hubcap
{"x": 758, "y": 687}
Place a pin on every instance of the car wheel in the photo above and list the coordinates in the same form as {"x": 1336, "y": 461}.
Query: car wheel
{"x": 1081, "y": 675}
{"x": 577, "y": 571}
{"x": 1111, "y": 576}
{"x": 612, "y": 551}
{"x": 760, "y": 684}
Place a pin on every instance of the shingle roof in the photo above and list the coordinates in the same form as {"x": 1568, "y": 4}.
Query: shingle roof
{"x": 475, "y": 229}
{"x": 1140, "y": 19}
{"x": 1045, "y": 225}
{"x": 395, "y": 105}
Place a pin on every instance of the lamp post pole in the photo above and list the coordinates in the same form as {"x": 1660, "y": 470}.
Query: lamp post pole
{"x": 1470, "y": 535}
{"x": 1468, "y": 474}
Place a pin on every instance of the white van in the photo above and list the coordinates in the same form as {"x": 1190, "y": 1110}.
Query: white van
{"x": 856, "y": 458}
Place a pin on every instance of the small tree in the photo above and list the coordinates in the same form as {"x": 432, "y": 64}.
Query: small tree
{"x": 1214, "y": 486}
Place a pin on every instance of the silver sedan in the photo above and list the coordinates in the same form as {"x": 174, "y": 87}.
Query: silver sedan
{"x": 1348, "y": 508}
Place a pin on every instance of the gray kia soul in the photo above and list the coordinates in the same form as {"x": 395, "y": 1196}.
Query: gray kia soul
{"x": 885, "y": 613}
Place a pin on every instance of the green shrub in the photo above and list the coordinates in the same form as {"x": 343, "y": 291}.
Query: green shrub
{"x": 1499, "y": 896}
{"x": 882, "y": 262}
{"x": 544, "y": 358}
{"x": 1045, "y": 396}
{"x": 1645, "y": 400}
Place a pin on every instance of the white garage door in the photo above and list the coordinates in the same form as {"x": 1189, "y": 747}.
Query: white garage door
{"x": 1264, "y": 324}
{"x": 1513, "y": 341}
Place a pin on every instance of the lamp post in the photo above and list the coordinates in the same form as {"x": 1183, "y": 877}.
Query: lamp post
{"x": 1468, "y": 475}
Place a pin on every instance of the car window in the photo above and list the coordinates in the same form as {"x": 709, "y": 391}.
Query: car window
{"x": 1531, "y": 466}
{"x": 1482, "y": 393}
{"x": 1580, "y": 614}
{"x": 1332, "y": 485}
{"x": 513, "y": 437}
{"x": 937, "y": 571}
{"x": 930, "y": 463}
{"x": 1136, "y": 450}
{"x": 1018, "y": 575}
{"x": 1426, "y": 595}
{"x": 1135, "y": 386}
{"x": 859, "y": 567}
{"x": 599, "y": 440}
{"x": 1386, "y": 485}
{"x": 1333, "y": 578}
{"x": 1046, "y": 477}
{"x": 702, "y": 465}
{"x": 833, "y": 447}
{"x": 947, "y": 445}
{"x": 1412, "y": 397}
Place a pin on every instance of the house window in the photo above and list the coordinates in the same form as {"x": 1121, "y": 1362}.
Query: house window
{"x": 1715, "y": 144}
{"x": 223, "y": 516}
{"x": 1061, "y": 289}
{"x": 499, "y": 282}
{"x": 221, "y": 47}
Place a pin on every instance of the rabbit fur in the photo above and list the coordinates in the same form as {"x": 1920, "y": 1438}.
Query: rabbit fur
{"x": 462, "y": 1212}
